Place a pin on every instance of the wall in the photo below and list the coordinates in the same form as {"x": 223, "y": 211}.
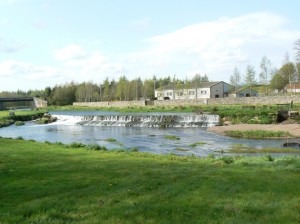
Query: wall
{"x": 38, "y": 103}
{"x": 111, "y": 104}
{"x": 231, "y": 100}
{"x": 217, "y": 90}
{"x": 194, "y": 102}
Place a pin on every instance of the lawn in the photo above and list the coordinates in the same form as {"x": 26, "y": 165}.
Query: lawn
{"x": 52, "y": 183}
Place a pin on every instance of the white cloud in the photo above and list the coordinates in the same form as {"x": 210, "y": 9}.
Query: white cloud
{"x": 27, "y": 71}
{"x": 10, "y": 46}
{"x": 8, "y": 2}
{"x": 80, "y": 65}
{"x": 216, "y": 47}
{"x": 141, "y": 24}
{"x": 69, "y": 52}
{"x": 213, "y": 47}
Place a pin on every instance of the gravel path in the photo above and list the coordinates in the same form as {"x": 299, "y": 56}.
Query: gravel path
{"x": 293, "y": 129}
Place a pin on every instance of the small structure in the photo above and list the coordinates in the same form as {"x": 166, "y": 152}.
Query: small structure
{"x": 245, "y": 92}
{"x": 203, "y": 90}
{"x": 21, "y": 102}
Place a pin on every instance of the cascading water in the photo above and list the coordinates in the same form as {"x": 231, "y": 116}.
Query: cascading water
{"x": 161, "y": 121}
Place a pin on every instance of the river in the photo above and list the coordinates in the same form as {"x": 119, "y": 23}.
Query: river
{"x": 145, "y": 139}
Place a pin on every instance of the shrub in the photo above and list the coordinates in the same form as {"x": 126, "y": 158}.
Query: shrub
{"x": 110, "y": 140}
{"x": 135, "y": 149}
{"x": 269, "y": 158}
{"x": 43, "y": 121}
{"x": 76, "y": 145}
{"x": 96, "y": 147}
{"x": 227, "y": 159}
{"x": 19, "y": 123}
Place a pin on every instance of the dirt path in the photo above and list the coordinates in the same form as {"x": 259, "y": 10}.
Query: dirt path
{"x": 293, "y": 129}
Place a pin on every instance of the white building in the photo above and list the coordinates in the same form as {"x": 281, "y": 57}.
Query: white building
{"x": 203, "y": 90}
{"x": 293, "y": 88}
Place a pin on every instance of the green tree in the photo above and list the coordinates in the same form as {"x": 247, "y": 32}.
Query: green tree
{"x": 297, "y": 50}
{"x": 266, "y": 72}
{"x": 122, "y": 89}
{"x": 235, "y": 78}
{"x": 277, "y": 82}
{"x": 288, "y": 72}
{"x": 106, "y": 96}
{"x": 250, "y": 76}
{"x": 148, "y": 89}
{"x": 64, "y": 94}
{"x": 87, "y": 92}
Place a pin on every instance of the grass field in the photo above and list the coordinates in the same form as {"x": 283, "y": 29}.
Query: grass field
{"x": 50, "y": 183}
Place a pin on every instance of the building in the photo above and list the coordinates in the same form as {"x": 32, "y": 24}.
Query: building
{"x": 245, "y": 92}
{"x": 293, "y": 88}
{"x": 203, "y": 90}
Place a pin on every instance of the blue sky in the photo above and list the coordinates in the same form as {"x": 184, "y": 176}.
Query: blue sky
{"x": 49, "y": 42}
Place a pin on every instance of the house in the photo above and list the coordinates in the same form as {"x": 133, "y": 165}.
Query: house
{"x": 293, "y": 88}
{"x": 202, "y": 90}
{"x": 245, "y": 92}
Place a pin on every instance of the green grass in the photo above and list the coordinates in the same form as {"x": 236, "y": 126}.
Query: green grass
{"x": 19, "y": 117}
{"x": 258, "y": 134}
{"x": 111, "y": 140}
{"x": 239, "y": 148}
{"x": 197, "y": 143}
{"x": 182, "y": 149}
{"x": 53, "y": 183}
{"x": 171, "y": 137}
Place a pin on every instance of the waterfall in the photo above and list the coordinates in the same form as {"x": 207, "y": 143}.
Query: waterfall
{"x": 160, "y": 121}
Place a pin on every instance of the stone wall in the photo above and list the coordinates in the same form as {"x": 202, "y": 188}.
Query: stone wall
{"x": 194, "y": 102}
{"x": 39, "y": 103}
{"x": 231, "y": 101}
{"x": 111, "y": 104}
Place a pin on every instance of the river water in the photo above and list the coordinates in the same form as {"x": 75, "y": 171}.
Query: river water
{"x": 145, "y": 139}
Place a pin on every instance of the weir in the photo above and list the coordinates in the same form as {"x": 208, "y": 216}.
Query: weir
{"x": 160, "y": 121}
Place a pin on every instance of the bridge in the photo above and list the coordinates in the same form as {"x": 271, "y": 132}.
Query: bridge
{"x": 31, "y": 102}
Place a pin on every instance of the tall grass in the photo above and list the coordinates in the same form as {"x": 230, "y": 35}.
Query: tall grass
{"x": 257, "y": 134}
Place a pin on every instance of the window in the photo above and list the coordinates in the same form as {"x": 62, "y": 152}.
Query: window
{"x": 169, "y": 93}
{"x": 179, "y": 93}
{"x": 191, "y": 92}
{"x": 203, "y": 92}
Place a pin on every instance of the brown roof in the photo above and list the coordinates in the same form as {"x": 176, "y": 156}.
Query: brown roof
{"x": 189, "y": 86}
{"x": 293, "y": 86}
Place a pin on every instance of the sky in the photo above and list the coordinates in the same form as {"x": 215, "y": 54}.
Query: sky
{"x": 44, "y": 43}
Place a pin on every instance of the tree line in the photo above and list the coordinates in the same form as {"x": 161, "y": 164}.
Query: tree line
{"x": 269, "y": 76}
{"x": 108, "y": 90}
{"x": 126, "y": 90}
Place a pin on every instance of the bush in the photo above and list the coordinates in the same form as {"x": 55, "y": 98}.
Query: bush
{"x": 19, "y": 123}
{"x": 43, "y": 121}
{"x": 269, "y": 158}
{"x": 96, "y": 147}
{"x": 76, "y": 145}
{"x": 227, "y": 159}
{"x": 110, "y": 140}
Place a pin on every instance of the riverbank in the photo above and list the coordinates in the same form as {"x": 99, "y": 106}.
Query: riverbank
{"x": 293, "y": 129}
{"x": 72, "y": 185}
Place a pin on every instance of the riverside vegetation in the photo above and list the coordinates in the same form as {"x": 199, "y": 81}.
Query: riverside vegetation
{"x": 57, "y": 183}
{"x": 19, "y": 117}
